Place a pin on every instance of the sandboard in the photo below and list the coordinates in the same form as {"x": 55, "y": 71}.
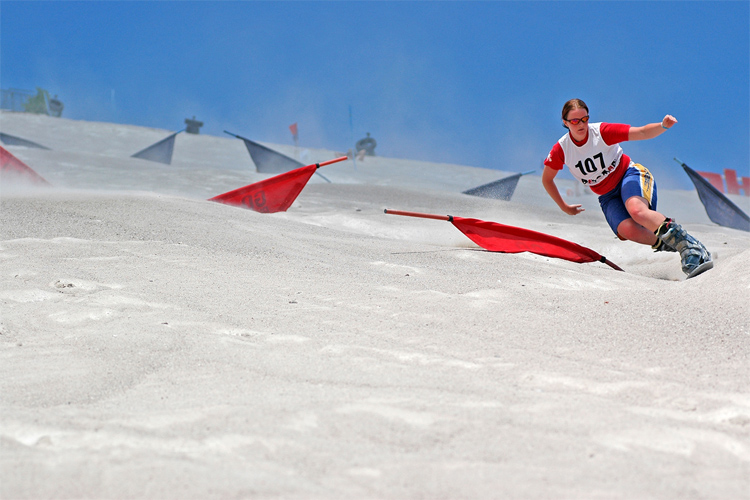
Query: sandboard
{"x": 701, "y": 269}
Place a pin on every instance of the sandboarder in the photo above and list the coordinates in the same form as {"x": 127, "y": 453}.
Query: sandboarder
{"x": 627, "y": 190}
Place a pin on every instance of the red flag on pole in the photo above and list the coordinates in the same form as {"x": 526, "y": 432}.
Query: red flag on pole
{"x": 9, "y": 164}
{"x": 275, "y": 194}
{"x": 270, "y": 195}
{"x": 509, "y": 239}
{"x": 295, "y": 135}
{"x": 497, "y": 237}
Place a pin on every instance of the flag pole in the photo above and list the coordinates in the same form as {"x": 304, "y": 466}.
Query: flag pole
{"x": 335, "y": 160}
{"x": 448, "y": 218}
{"x": 233, "y": 135}
{"x": 351, "y": 138}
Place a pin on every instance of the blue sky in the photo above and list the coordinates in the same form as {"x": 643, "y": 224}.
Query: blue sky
{"x": 473, "y": 83}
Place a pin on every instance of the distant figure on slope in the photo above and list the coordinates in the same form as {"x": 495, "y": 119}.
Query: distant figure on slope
{"x": 627, "y": 190}
{"x": 365, "y": 147}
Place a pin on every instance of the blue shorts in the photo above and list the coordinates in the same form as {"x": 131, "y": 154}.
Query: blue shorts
{"x": 637, "y": 181}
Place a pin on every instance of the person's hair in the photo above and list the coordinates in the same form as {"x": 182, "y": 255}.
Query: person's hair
{"x": 571, "y": 105}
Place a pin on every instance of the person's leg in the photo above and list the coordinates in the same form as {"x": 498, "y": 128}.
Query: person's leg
{"x": 628, "y": 212}
{"x": 642, "y": 220}
{"x": 616, "y": 214}
{"x": 629, "y": 229}
{"x": 639, "y": 194}
{"x": 639, "y": 209}
{"x": 621, "y": 222}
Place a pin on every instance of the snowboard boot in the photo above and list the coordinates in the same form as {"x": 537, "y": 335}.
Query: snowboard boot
{"x": 694, "y": 256}
{"x": 660, "y": 246}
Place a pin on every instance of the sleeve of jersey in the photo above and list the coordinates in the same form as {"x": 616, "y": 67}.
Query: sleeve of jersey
{"x": 556, "y": 158}
{"x": 614, "y": 133}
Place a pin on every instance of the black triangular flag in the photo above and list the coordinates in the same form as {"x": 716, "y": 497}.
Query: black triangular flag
{"x": 719, "y": 208}
{"x": 268, "y": 161}
{"x": 12, "y": 140}
{"x": 501, "y": 189}
{"x": 160, "y": 152}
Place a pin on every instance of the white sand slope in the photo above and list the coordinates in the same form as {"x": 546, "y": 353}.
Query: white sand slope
{"x": 157, "y": 345}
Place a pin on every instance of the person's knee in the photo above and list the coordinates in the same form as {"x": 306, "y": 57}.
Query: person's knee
{"x": 637, "y": 208}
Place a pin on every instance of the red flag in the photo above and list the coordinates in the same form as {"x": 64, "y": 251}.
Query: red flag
{"x": 275, "y": 194}
{"x": 9, "y": 164}
{"x": 270, "y": 195}
{"x": 509, "y": 239}
{"x": 293, "y": 129}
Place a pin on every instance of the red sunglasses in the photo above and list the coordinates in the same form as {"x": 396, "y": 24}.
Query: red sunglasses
{"x": 576, "y": 121}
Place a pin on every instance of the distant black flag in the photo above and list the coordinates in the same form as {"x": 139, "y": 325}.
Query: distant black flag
{"x": 719, "y": 208}
{"x": 12, "y": 140}
{"x": 268, "y": 161}
{"x": 159, "y": 152}
{"x": 502, "y": 189}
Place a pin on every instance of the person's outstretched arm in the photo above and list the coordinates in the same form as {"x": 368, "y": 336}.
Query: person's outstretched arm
{"x": 651, "y": 130}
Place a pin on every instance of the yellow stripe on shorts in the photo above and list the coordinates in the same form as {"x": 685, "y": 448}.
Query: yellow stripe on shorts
{"x": 647, "y": 181}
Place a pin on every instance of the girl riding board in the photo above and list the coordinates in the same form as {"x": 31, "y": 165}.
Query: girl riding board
{"x": 627, "y": 191}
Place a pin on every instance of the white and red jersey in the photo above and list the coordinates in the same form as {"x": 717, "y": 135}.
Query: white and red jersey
{"x": 598, "y": 161}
